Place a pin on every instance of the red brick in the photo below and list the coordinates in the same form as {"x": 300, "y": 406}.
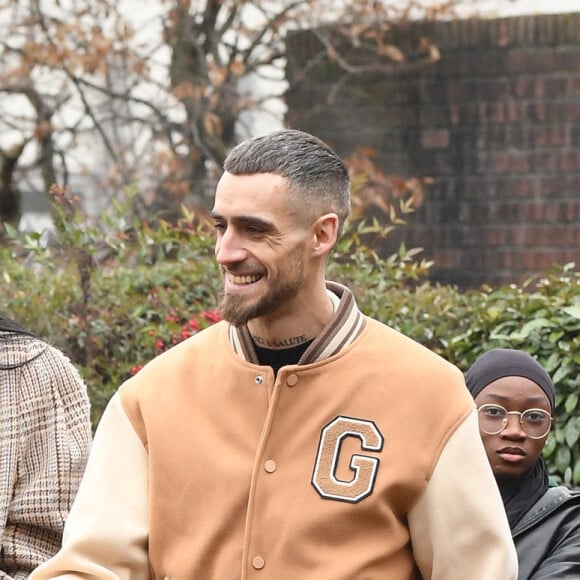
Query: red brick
{"x": 524, "y": 86}
{"x": 549, "y": 136}
{"x": 435, "y": 138}
{"x": 508, "y": 162}
{"x": 546, "y": 161}
{"x": 495, "y": 236}
{"x": 569, "y": 160}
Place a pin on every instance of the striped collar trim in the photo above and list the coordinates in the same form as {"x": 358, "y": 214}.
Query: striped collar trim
{"x": 340, "y": 331}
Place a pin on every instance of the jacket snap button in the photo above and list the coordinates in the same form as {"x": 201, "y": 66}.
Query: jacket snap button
{"x": 292, "y": 380}
{"x": 259, "y": 380}
{"x": 270, "y": 466}
{"x": 258, "y": 562}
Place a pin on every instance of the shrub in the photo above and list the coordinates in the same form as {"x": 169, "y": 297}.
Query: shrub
{"x": 542, "y": 317}
{"x": 114, "y": 295}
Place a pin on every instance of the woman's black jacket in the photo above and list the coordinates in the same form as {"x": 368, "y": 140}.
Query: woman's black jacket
{"x": 547, "y": 538}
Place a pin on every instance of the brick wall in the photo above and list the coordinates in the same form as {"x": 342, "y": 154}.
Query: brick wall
{"x": 496, "y": 123}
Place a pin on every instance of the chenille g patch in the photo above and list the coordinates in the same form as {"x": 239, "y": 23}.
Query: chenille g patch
{"x": 340, "y": 472}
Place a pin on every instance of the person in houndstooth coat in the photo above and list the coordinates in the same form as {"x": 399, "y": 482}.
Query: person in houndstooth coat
{"x": 45, "y": 438}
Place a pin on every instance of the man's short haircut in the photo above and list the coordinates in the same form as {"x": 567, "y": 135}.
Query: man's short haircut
{"x": 316, "y": 175}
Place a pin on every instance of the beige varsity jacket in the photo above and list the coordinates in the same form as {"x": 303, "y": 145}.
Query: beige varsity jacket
{"x": 363, "y": 462}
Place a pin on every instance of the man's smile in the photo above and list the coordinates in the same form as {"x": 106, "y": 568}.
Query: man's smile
{"x": 242, "y": 279}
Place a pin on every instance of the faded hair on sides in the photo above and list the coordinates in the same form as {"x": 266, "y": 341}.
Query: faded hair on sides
{"x": 314, "y": 172}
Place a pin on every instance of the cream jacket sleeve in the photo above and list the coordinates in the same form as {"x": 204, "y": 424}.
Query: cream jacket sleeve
{"x": 107, "y": 542}
{"x": 459, "y": 528}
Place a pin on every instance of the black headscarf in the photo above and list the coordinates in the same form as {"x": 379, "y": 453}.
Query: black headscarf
{"x": 518, "y": 495}
{"x": 506, "y": 362}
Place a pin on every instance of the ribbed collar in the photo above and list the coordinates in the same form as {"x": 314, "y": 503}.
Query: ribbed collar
{"x": 340, "y": 331}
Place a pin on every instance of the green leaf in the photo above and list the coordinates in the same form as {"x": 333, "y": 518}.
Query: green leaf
{"x": 572, "y": 431}
{"x": 550, "y": 447}
{"x": 571, "y": 402}
{"x": 562, "y": 372}
{"x": 563, "y": 459}
{"x": 529, "y": 328}
{"x": 573, "y": 310}
{"x": 576, "y": 473}
{"x": 552, "y": 362}
{"x": 11, "y": 231}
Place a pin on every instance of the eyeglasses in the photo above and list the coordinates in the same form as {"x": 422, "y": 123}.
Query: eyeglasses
{"x": 493, "y": 419}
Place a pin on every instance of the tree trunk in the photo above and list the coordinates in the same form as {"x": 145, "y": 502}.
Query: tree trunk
{"x": 10, "y": 196}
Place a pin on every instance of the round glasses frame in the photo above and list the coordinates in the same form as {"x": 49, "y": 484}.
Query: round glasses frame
{"x": 505, "y": 419}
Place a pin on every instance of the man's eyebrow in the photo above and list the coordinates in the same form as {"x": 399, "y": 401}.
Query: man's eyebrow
{"x": 254, "y": 221}
{"x": 243, "y": 220}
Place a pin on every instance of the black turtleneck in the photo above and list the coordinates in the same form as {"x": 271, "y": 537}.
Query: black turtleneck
{"x": 279, "y": 357}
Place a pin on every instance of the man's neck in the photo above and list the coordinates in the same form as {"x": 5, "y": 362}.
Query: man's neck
{"x": 280, "y": 343}
{"x": 292, "y": 329}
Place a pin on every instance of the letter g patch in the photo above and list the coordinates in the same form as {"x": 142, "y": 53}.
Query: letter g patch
{"x": 364, "y": 467}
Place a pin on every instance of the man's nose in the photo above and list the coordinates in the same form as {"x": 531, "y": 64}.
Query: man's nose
{"x": 229, "y": 249}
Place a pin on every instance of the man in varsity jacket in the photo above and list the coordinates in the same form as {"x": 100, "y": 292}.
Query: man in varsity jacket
{"x": 297, "y": 438}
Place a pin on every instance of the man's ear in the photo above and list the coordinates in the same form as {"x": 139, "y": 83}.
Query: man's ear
{"x": 324, "y": 234}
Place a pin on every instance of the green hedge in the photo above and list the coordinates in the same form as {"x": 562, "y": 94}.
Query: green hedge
{"x": 544, "y": 321}
{"x": 114, "y": 295}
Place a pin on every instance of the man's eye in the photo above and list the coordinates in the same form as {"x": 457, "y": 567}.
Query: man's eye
{"x": 255, "y": 230}
{"x": 219, "y": 226}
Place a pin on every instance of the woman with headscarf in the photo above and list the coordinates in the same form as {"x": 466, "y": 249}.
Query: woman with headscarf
{"x": 515, "y": 399}
{"x": 45, "y": 436}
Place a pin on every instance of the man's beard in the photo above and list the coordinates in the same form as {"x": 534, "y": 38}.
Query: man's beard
{"x": 239, "y": 310}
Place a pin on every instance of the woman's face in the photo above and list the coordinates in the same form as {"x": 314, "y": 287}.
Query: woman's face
{"x": 511, "y": 452}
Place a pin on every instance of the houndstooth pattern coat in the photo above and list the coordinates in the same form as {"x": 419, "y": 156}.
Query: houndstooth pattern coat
{"x": 45, "y": 437}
